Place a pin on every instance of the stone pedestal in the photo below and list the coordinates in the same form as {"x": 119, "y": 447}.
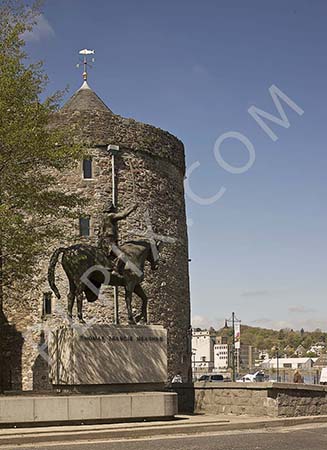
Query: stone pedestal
{"x": 107, "y": 355}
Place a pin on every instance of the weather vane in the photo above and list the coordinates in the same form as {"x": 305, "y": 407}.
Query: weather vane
{"x": 86, "y": 53}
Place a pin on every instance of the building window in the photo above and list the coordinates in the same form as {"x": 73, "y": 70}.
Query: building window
{"x": 84, "y": 226}
{"x": 46, "y": 305}
{"x": 87, "y": 168}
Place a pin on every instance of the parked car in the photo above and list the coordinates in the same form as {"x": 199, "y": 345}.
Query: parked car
{"x": 212, "y": 377}
{"x": 246, "y": 379}
{"x": 257, "y": 377}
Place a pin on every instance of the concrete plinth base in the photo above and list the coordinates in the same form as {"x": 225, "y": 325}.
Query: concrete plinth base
{"x": 88, "y": 408}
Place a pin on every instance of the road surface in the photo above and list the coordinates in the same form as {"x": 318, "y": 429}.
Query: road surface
{"x": 305, "y": 437}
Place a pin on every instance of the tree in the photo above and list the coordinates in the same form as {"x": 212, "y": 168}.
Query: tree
{"x": 281, "y": 335}
{"x": 31, "y": 205}
{"x": 307, "y": 342}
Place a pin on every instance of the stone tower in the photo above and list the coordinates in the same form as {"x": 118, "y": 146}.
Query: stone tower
{"x": 150, "y": 169}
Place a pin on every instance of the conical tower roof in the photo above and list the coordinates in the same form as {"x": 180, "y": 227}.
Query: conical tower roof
{"x": 85, "y": 99}
{"x": 92, "y": 123}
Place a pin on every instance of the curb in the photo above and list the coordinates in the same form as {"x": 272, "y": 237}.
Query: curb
{"x": 19, "y": 437}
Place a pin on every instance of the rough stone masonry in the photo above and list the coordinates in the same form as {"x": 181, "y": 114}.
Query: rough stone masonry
{"x": 150, "y": 171}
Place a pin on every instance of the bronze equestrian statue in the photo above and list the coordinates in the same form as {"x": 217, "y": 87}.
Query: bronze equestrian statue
{"x": 108, "y": 230}
{"x": 83, "y": 261}
{"x": 88, "y": 267}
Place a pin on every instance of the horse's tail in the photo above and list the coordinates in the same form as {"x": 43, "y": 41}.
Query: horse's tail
{"x": 51, "y": 270}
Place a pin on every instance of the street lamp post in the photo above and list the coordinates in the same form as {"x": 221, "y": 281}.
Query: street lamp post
{"x": 114, "y": 150}
{"x": 233, "y": 320}
{"x": 193, "y": 354}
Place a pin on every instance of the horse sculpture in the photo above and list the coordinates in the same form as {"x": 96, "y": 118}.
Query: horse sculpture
{"x": 88, "y": 267}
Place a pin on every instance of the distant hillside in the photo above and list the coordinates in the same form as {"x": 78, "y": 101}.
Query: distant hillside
{"x": 286, "y": 340}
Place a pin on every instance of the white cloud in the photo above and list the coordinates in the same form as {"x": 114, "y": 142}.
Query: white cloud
{"x": 41, "y": 30}
{"x": 300, "y": 309}
{"x": 254, "y": 293}
{"x": 201, "y": 322}
{"x": 263, "y": 321}
{"x": 309, "y": 323}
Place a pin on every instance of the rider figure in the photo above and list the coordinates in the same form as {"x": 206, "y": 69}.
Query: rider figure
{"x": 108, "y": 230}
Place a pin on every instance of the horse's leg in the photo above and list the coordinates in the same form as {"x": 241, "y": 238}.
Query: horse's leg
{"x": 71, "y": 298}
{"x": 79, "y": 296}
{"x": 144, "y": 312}
{"x": 128, "y": 299}
{"x": 116, "y": 279}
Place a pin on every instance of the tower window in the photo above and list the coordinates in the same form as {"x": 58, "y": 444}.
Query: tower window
{"x": 46, "y": 306}
{"x": 84, "y": 226}
{"x": 87, "y": 168}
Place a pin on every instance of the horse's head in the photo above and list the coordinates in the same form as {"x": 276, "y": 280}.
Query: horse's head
{"x": 153, "y": 255}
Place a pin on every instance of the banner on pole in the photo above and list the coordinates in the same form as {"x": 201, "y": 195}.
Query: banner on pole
{"x": 237, "y": 335}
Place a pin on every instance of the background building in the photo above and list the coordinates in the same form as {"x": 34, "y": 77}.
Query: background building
{"x": 247, "y": 357}
{"x": 212, "y": 353}
{"x": 221, "y": 356}
{"x": 203, "y": 343}
{"x": 288, "y": 363}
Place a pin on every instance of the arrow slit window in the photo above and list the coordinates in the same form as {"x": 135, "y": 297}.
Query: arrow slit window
{"x": 47, "y": 306}
{"x": 84, "y": 226}
{"x": 87, "y": 169}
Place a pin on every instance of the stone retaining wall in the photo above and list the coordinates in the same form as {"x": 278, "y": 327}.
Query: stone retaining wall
{"x": 257, "y": 399}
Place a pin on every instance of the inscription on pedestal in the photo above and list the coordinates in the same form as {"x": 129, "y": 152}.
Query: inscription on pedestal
{"x": 108, "y": 354}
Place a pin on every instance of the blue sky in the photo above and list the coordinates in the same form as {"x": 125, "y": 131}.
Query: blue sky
{"x": 194, "y": 68}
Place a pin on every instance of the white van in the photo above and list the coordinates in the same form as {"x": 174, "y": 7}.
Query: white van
{"x": 212, "y": 377}
{"x": 323, "y": 376}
